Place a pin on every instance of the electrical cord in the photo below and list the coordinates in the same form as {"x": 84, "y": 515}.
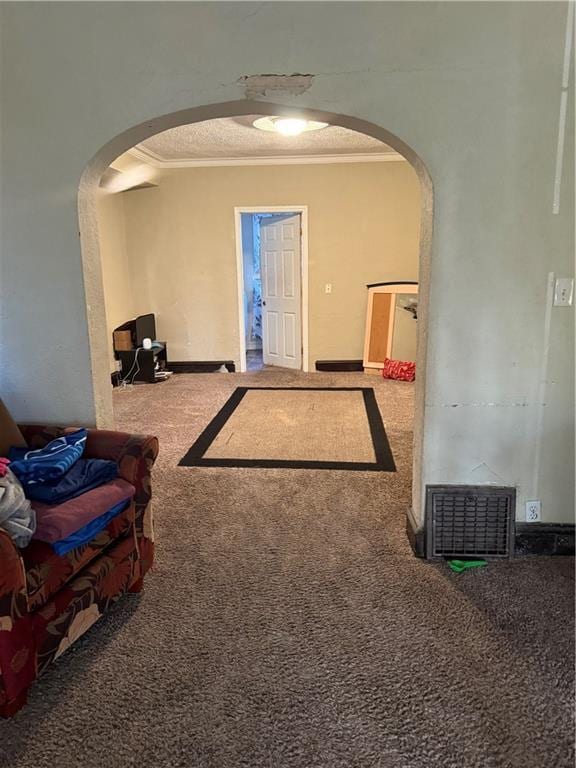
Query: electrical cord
{"x": 124, "y": 381}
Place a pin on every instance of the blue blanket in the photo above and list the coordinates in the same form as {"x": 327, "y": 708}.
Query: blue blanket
{"x": 87, "y": 533}
{"x": 85, "y": 475}
{"x": 45, "y": 465}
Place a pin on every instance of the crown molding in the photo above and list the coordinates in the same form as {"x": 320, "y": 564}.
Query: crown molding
{"x": 156, "y": 161}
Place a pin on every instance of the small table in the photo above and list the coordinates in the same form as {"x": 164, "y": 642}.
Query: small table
{"x": 142, "y": 364}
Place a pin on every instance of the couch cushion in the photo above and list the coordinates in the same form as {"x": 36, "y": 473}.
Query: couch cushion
{"x": 57, "y": 521}
{"x": 47, "y": 572}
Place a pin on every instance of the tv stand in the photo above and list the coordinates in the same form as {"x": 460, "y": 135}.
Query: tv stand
{"x": 141, "y": 364}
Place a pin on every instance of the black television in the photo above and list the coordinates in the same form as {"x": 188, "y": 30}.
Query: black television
{"x": 144, "y": 328}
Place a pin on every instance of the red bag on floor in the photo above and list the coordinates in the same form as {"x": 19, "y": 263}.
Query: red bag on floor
{"x": 398, "y": 369}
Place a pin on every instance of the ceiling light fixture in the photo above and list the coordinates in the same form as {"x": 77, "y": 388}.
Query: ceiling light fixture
{"x": 288, "y": 126}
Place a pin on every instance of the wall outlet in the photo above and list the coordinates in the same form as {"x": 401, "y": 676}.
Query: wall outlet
{"x": 533, "y": 511}
{"x": 328, "y": 288}
{"x": 563, "y": 292}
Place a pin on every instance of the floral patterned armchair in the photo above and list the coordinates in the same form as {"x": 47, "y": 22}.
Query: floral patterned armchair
{"x": 48, "y": 601}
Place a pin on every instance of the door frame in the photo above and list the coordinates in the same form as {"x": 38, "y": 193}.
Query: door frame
{"x": 303, "y": 211}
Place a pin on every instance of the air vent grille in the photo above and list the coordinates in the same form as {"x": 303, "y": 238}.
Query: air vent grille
{"x": 469, "y": 521}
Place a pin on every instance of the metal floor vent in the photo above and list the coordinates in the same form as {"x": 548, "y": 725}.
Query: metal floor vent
{"x": 469, "y": 521}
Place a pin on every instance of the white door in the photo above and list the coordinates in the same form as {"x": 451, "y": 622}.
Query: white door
{"x": 281, "y": 290}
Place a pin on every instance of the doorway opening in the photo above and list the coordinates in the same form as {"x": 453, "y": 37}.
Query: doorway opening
{"x": 272, "y": 274}
{"x": 242, "y": 110}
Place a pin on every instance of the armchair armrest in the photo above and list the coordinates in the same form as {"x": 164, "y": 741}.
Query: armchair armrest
{"x": 134, "y": 454}
{"x": 17, "y": 659}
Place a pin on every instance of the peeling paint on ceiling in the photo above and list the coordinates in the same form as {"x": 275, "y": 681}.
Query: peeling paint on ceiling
{"x": 265, "y": 85}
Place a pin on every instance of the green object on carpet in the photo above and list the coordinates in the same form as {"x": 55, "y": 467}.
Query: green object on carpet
{"x": 463, "y": 565}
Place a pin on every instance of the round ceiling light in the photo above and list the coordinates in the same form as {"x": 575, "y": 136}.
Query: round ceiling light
{"x": 287, "y": 126}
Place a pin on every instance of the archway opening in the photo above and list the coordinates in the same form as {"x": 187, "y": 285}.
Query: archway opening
{"x": 91, "y": 246}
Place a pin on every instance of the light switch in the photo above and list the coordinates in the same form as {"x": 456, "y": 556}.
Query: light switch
{"x": 563, "y": 292}
{"x": 328, "y": 288}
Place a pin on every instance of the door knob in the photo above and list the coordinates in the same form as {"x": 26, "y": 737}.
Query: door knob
{"x": 263, "y": 303}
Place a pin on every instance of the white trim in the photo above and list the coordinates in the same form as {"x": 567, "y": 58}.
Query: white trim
{"x": 559, "y": 153}
{"x": 303, "y": 211}
{"x": 149, "y": 157}
{"x": 542, "y": 384}
{"x": 240, "y": 290}
{"x": 146, "y": 155}
{"x": 568, "y": 45}
{"x": 563, "y": 108}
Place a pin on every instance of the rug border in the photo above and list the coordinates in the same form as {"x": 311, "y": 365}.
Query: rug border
{"x": 194, "y": 457}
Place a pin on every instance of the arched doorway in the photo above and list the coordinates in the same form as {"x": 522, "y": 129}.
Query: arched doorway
{"x": 88, "y": 187}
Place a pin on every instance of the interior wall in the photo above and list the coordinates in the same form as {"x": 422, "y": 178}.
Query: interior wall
{"x": 473, "y": 88}
{"x": 116, "y": 273}
{"x": 364, "y": 221}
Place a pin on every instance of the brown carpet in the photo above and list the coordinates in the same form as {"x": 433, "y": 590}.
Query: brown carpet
{"x": 287, "y": 625}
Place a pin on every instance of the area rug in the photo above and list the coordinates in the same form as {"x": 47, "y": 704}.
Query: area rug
{"x": 298, "y": 428}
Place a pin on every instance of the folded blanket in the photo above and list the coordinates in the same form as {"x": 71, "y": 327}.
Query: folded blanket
{"x": 17, "y": 517}
{"x": 83, "y": 476}
{"x": 87, "y": 533}
{"x": 45, "y": 465}
{"x": 57, "y": 522}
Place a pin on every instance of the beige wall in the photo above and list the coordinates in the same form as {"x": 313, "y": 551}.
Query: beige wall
{"x": 115, "y": 266}
{"x": 363, "y": 227}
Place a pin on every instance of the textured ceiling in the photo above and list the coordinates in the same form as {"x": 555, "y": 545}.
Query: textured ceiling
{"x": 235, "y": 137}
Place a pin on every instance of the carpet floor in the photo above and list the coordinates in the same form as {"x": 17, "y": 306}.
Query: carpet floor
{"x": 287, "y": 624}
